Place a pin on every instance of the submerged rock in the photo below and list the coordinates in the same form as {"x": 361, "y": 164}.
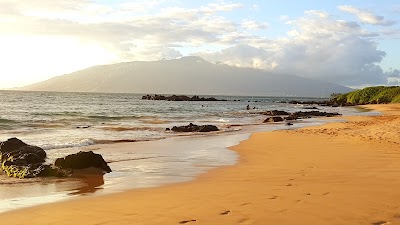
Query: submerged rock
{"x": 195, "y": 128}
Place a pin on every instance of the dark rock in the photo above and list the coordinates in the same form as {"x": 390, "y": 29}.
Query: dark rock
{"x": 21, "y": 160}
{"x": 178, "y": 98}
{"x": 291, "y": 117}
{"x": 11, "y": 145}
{"x": 275, "y": 113}
{"x": 195, "y": 128}
{"x": 82, "y": 160}
{"x": 313, "y": 113}
{"x": 273, "y": 119}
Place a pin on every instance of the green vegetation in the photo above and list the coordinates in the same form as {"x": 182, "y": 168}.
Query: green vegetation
{"x": 370, "y": 95}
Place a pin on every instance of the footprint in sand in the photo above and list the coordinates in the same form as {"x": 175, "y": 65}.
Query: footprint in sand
{"x": 381, "y": 223}
{"x": 187, "y": 221}
{"x": 274, "y": 197}
{"x": 225, "y": 212}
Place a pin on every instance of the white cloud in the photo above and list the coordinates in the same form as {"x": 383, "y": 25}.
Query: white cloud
{"x": 212, "y": 8}
{"x": 317, "y": 45}
{"x": 366, "y": 16}
{"x": 254, "y": 25}
{"x": 317, "y": 13}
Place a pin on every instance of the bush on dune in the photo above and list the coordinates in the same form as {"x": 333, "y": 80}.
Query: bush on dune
{"x": 371, "y": 95}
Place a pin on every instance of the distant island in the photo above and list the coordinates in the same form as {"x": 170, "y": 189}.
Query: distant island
{"x": 369, "y": 95}
{"x": 187, "y": 75}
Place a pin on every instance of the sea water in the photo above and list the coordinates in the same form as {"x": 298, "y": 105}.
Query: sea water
{"x": 131, "y": 135}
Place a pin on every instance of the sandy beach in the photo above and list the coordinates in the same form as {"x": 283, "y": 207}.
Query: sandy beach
{"x": 339, "y": 173}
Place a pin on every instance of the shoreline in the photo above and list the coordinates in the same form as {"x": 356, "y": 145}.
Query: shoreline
{"x": 209, "y": 150}
{"x": 271, "y": 183}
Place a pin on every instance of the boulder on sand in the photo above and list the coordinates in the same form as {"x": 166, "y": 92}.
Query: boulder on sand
{"x": 21, "y": 160}
{"x": 83, "y": 160}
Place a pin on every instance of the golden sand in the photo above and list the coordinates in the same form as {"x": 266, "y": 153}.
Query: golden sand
{"x": 340, "y": 173}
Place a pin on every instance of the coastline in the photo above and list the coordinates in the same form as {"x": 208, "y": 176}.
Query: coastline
{"x": 340, "y": 173}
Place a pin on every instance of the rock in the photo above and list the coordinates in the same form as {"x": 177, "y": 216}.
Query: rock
{"x": 273, "y": 119}
{"x": 21, "y": 160}
{"x": 275, "y": 113}
{"x": 208, "y": 128}
{"x": 178, "y": 98}
{"x": 313, "y": 113}
{"x": 292, "y": 117}
{"x": 82, "y": 160}
{"x": 195, "y": 128}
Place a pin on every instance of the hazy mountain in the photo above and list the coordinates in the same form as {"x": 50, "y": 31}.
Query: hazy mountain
{"x": 188, "y": 75}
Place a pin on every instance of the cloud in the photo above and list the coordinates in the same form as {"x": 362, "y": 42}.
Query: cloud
{"x": 317, "y": 45}
{"x": 254, "y": 25}
{"x": 366, "y": 16}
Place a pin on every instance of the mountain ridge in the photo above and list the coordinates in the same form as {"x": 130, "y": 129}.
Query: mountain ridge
{"x": 187, "y": 75}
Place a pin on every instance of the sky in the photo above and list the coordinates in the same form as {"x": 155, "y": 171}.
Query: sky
{"x": 352, "y": 43}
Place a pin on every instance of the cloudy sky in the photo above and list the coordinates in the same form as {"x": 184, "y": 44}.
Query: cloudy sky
{"x": 353, "y": 43}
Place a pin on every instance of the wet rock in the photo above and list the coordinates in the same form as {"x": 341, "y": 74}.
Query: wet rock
{"x": 275, "y": 113}
{"x": 291, "y": 117}
{"x": 82, "y": 160}
{"x": 195, "y": 128}
{"x": 21, "y": 160}
{"x": 310, "y": 114}
{"x": 273, "y": 119}
{"x": 178, "y": 98}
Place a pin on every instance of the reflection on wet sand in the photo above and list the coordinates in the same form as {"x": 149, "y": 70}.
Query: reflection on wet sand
{"x": 88, "y": 184}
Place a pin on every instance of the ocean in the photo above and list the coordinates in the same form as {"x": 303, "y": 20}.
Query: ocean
{"x": 131, "y": 135}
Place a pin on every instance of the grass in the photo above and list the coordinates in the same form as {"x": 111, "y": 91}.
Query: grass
{"x": 371, "y": 95}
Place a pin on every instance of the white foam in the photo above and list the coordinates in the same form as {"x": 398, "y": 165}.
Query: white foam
{"x": 68, "y": 144}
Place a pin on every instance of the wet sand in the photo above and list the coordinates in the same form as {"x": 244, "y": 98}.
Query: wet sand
{"x": 339, "y": 173}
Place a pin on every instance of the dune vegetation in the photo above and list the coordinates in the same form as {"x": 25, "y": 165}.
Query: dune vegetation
{"x": 370, "y": 95}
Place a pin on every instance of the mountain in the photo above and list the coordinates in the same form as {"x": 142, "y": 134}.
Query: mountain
{"x": 188, "y": 75}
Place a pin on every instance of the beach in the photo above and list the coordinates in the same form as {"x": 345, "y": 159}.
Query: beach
{"x": 339, "y": 173}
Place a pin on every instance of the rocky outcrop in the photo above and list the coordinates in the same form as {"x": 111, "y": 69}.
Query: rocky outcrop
{"x": 195, "y": 128}
{"x": 310, "y": 114}
{"x": 273, "y": 119}
{"x": 21, "y": 160}
{"x": 83, "y": 160}
{"x": 275, "y": 113}
{"x": 178, "y": 98}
